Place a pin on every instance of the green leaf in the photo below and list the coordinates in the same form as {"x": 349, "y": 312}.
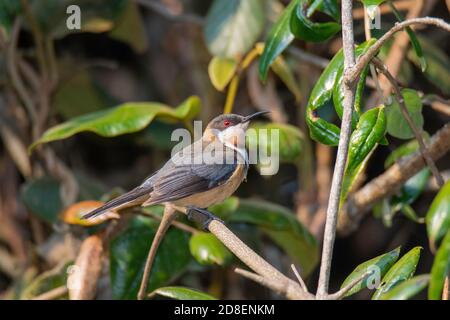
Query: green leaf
{"x": 321, "y": 130}
{"x": 284, "y": 72}
{"x": 288, "y": 145}
{"x": 182, "y": 293}
{"x": 281, "y": 225}
{"x": 331, "y": 8}
{"x": 438, "y": 64}
{"x": 440, "y": 269}
{"x": 233, "y": 26}
{"x": 438, "y": 216}
{"x": 220, "y": 71}
{"x": 396, "y": 123}
{"x": 207, "y": 249}
{"x": 42, "y": 197}
{"x": 279, "y": 38}
{"x": 403, "y": 270}
{"x": 126, "y": 118}
{"x": 128, "y": 253}
{"x": 305, "y": 29}
{"x": 407, "y": 289}
{"x": 382, "y": 263}
{"x": 372, "y": 2}
{"x": 369, "y": 131}
{"x": 412, "y": 37}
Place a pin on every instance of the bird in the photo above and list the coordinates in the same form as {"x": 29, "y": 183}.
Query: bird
{"x": 189, "y": 181}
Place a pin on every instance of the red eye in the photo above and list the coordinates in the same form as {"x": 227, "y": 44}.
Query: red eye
{"x": 226, "y": 123}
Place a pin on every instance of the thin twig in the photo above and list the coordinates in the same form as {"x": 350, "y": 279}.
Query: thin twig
{"x": 52, "y": 294}
{"x": 404, "y": 110}
{"x": 308, "y": 57}
{"x": 360, "y": 202}
{"x": 169, "y": 215}
{"x": 299, "y": 278}
{"x": 342, "y": 292}
{"x": 341, "y": 158}
{"x": 363, "y": 60}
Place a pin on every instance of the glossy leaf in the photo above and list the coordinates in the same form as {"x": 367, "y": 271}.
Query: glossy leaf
{"x": 74, "y": 213}
{"x": 407, "y": 289}
{"x": 128, "y": 253}
{"x": 305, "y": 29}
{"x": 438, "y": 216}
{"x": 183, "y": 293}
{"x": 264, "y": 139}
{"x": 322, "y": 130}
{"x": 402, "y": 270}
{"x": 207, "y": 249}
{"x": 126, "y": 118}
{"x": 42, "y": 198}
{"x": 438, "y": 64}
{"x": 221, "y": 71}
{"x": 440, "y": 269}
{"x": 233, "y": 26}
{"x": 369, "y": 131}
{"x": 372, "y": 2}
{"x": 279, "y": 38}
{"x": 330, "y": 7}
{"x": 281, "y": 225}
{"x": 382, "y": 263}
{"x": 396, "y": 123}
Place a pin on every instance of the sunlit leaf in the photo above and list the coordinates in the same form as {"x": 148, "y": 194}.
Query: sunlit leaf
{"x": 407, "y": 289}
{"x": 280, "y": 36}
{"x": 207, "y": 249}
{"x": 183, "y": 293}
{"x": 221, "y": 71}
{"x": 382, "y": 263}
{"x": 402, "y": 270}
{"x": 126, "y": 118}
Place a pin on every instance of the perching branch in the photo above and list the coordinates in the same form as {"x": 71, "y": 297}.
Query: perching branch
{"x": 404, "y": 110}
{"x": 341, "y": 157}
{"x": 363, "y": 60}
{"x": 390, "y": 181}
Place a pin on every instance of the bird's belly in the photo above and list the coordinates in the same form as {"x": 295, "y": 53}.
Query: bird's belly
{"x": 215, "y": 195}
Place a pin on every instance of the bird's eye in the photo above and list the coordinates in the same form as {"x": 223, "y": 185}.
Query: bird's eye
{"x": 226, "y": 123}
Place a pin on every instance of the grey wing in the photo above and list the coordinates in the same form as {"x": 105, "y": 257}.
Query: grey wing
{"x": 180, "y": 181}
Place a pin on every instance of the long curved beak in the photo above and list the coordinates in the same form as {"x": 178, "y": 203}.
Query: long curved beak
{"x": 254, "y": 115}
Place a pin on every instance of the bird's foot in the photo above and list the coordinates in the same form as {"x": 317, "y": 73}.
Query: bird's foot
{"x": 201, "y": 216}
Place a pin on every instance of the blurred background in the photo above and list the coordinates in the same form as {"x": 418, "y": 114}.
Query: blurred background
{"x": 162, "y": 53}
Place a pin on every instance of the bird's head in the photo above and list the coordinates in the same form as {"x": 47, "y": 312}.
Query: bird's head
{"x": 230, "y": 128}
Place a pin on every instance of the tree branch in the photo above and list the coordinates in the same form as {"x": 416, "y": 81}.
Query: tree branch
{"x": 363, "y": 60}
{"x": 388, "y": 183}
{"x": 404, "y": 110}
{"x": 342, "y": 292}
{"x": 341, "y": 158}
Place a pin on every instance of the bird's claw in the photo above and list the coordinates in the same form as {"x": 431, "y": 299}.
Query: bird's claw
{"x": 201, "y": 216}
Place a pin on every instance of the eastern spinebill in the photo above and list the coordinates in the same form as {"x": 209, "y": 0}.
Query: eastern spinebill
{"x": 186, "y": 182}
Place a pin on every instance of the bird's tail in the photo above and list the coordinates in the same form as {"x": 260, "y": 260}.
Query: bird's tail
{"x": 133, "y": 197}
